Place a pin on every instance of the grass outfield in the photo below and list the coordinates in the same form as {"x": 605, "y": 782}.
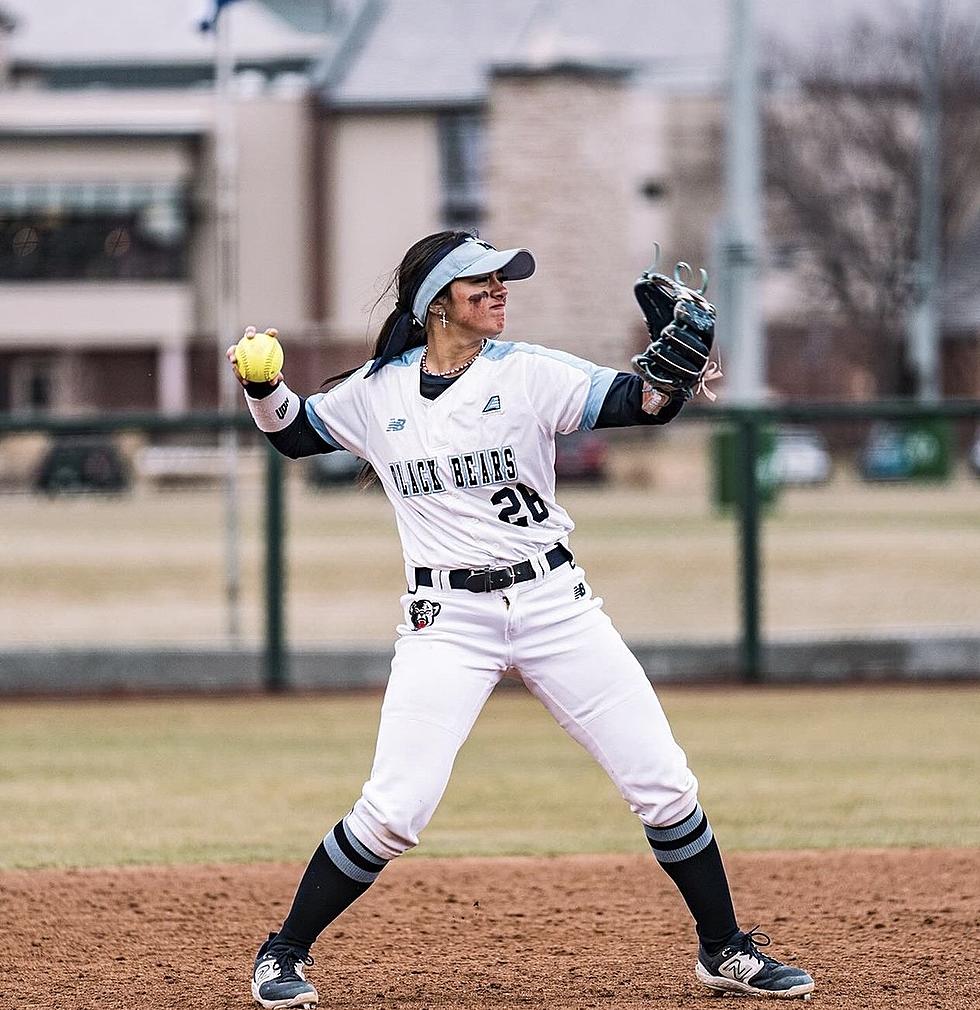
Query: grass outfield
{"x": 177, "y": 781}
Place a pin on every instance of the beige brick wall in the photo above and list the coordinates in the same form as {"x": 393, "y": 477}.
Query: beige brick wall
{"x": 275, "y": 202}
{"x": 557, "y": 146}
{"x": 695, "y": 139}
{"x": 382, "y": 191}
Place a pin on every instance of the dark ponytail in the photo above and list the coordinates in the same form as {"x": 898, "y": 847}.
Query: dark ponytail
{"x": 406, "y": 280}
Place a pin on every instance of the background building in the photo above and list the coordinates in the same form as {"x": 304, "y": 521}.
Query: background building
{"x": 584, "y": 131}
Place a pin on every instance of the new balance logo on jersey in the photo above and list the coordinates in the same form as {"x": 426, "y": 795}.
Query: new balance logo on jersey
{"x": 579, "y": 591}
{"x": 282, "y": 408}
{"x": 492, "y": 404}
{"x": 396, "y": 424}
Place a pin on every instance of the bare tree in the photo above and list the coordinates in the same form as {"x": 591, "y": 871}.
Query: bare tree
{"x": 842, "y": 165}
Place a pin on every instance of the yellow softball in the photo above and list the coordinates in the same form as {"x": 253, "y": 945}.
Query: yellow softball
{"x": 259, "y": 357}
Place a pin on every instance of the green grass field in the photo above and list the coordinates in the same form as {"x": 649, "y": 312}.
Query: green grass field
{"x": 176, "y": 781}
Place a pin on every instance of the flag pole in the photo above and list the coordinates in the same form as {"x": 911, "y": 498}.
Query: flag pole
{"x": 226, "y": 309}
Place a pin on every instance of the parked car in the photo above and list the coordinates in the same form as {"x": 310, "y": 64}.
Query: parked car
{"x": 581, "y": 456}
{"x": 883, "y": 456}
{"x": 82, "y": 464}
{"x": 800, "y": 456}
{"x": 920, "y": 450}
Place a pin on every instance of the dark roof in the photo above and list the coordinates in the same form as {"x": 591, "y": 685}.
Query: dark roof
{"x": 439, "y": 52}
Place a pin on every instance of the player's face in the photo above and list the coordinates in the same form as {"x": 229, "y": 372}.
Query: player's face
{"x": 478, "y": 305}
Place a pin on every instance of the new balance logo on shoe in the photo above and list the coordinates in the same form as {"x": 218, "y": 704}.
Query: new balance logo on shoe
{"x": 278, "y": 978}
{"x": 742, "y": 967}
{"x": 267, "y": 970}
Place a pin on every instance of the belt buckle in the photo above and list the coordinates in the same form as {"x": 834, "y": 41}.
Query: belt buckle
{"x": 485, "y": 580}
{"x": 498, "y": 574}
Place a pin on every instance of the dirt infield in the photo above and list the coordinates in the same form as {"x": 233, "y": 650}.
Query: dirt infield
{"x": 889, "y": 928}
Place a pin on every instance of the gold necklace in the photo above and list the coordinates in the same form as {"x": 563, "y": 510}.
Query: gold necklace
{"x": 451, "y": 371}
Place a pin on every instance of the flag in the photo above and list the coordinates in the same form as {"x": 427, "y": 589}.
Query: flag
{"x": 208, "y": 22}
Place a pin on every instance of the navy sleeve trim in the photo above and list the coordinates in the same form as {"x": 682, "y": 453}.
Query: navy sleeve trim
{"x": 299, "y": 438}
{"x": 623, "y": 405}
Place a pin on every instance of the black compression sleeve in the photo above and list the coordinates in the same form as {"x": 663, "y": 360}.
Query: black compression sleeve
{"x": 623, "y": 405}
{"x": 297, "y": 439}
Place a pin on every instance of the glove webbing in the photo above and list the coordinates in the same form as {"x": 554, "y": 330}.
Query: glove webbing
{"x": 677, "y": 352}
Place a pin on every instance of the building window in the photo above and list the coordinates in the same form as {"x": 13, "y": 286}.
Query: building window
{"x": 461, "y": 159}
{"x": 93, "y": 231}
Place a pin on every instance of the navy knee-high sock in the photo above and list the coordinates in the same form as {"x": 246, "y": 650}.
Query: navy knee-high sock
{"x": 341, "y": 870}
{"x": 689, "y": 855}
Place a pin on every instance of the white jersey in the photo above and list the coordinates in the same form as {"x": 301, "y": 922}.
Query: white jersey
{"x": 471, "y": 474}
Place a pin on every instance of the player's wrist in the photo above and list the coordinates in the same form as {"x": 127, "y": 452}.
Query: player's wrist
{"x": 653, "y": 400}
{"x": 275, "y": 410}
{"x": 260, "y": 390}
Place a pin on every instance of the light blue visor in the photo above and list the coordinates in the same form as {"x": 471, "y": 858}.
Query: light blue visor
{"x": 472, "y": 258}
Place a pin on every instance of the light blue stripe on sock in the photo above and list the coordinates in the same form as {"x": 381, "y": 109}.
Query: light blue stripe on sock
{"x": 362, "y": 850}
{"x": 676, "y": 855}
{"x": 678, "y": 830}
{"x": 343, "y": 864}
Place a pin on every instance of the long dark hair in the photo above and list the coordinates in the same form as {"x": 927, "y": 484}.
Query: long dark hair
{"x": 405, "y": 281}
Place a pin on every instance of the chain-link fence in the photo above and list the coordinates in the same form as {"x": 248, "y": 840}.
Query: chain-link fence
{"x": 729, "y": 543}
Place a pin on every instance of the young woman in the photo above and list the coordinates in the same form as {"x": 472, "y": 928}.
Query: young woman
{"x": 460, "y": 428}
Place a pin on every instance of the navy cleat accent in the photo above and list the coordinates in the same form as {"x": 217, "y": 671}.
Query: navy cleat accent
{"x": 278, "y": 981}
{"x": 740, "y": 967}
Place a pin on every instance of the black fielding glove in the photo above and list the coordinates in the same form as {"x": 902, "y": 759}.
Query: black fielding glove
{"x": 681, "y": 323}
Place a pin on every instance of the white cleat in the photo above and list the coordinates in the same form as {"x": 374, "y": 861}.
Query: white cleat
{"x": 740, "y": 967}
{"x": 278, "y": 979}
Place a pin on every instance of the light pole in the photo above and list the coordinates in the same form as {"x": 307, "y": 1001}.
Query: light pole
{"x": 740, "y": 317}
{"x": 925, "y": 323}
{"x": 226, "y": 280}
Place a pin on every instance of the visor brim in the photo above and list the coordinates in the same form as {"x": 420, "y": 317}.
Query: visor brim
{"x": 511, "y": 264}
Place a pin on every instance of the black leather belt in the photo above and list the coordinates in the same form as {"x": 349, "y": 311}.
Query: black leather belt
{"x": 485, "y": 580}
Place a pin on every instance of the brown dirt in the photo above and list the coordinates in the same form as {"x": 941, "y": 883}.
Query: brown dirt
{"x": 890, "y": 928}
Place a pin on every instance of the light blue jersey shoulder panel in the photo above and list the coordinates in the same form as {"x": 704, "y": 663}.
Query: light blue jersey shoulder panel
{"x": 408, "y": 357}
{"x": 600, "y": 377}
{"x": 314, "y": 418}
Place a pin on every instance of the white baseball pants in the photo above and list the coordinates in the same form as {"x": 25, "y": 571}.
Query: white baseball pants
{"x": 555, "y": 634}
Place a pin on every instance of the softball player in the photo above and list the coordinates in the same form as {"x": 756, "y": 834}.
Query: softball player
{"x": 460, "y": 427}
